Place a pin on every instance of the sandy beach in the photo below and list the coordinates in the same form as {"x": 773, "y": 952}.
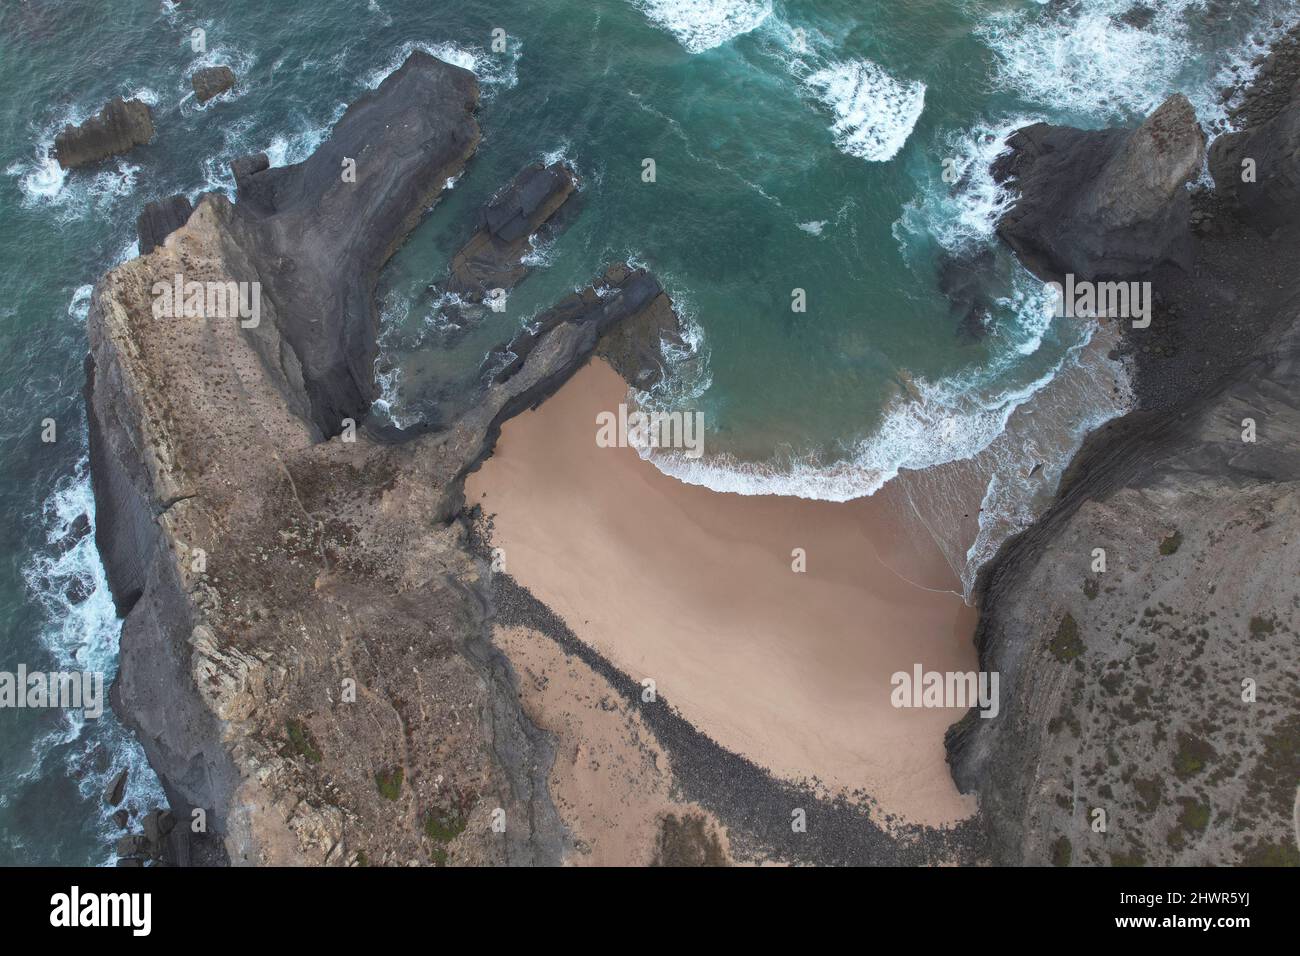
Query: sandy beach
{"x": 696, "y": 591}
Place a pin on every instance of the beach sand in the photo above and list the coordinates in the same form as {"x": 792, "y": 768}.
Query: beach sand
{"x": 695, "y": 590}
{"x": 611, "y": 780}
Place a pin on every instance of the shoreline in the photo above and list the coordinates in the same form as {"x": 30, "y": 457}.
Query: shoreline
{"x": 697, "y": 592}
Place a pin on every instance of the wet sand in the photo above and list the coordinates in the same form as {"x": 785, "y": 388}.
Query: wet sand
{"x": 695, "y": 590}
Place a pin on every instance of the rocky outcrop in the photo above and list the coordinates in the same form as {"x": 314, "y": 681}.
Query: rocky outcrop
{"x": 305, "y": 656}
{"x": 212, "y": 81}
{"x": 318, "y": 232}
{"x": 493, "y": 258}
{"x": 1145, "y": 627}
{"x": 1107, "y": 204}
{"x": 160, "y": 219}
{"x": 118, "y": 128}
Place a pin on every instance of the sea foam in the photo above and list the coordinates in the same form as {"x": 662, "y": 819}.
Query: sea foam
{"x": 701, "y": 25}
{"x": 874, "y": 113}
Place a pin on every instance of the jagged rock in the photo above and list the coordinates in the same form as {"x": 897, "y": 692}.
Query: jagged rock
{"x": 492, "y": 258}
{"x": 78, "y": 590}
{"x": 1105, "y": 204}
{"x": 119, "y": 127}
{"x": 121, "y": 818}
{"x": 159, "y": 220}
{"x": 133, "y": 844}
{"x": 116, "y": 789}
{"x": 79, "y": 528}
{"x": 212, "y": 81}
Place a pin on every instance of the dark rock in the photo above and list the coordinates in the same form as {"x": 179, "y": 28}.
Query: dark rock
{"x": 119, "y": 127}
{"x": 159, "y": 220}
{"x": 1221, "y": 349}
{"x": 493, "y": 257}
{"x": 78, "y": 590}
{"x": 324, "y": 239}
{"x": 79, "y": 528}
{"x": 133, "y": 844}
{"x": 968, "y": 283}
{"x": 1107, "y": 203}
{"x": 1272, "y": 200}
{"x": 121, "y": 818}
{"x": 116, "y": 789}
{"x": 1139, "y": 16}
{"x": 212, "y": 81}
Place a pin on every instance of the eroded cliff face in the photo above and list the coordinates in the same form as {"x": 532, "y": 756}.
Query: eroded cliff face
{"x": 1151, "y": 703}
{"x": 305, "y": 655}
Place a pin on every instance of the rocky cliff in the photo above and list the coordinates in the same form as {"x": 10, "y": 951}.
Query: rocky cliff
{"x": 1145, "y": 628}
{"x": 305, "y": 655}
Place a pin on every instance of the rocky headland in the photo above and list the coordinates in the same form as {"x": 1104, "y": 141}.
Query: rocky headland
{"x": 1145, "y": 628}
{"x": 305, "y": 655}
{"x": 324, "y": 666}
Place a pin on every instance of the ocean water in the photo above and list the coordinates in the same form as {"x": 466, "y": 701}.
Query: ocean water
{"x": 797, "y": 145}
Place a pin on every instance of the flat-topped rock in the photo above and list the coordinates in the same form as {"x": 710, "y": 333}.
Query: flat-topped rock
{"x": 118, "y": 128}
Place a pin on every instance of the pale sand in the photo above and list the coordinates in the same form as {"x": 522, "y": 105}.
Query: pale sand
{"x": 694, "y": 589}
{"x": 611, "y": 780}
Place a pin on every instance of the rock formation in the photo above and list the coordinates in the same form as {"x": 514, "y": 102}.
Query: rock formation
{"x": 1145, "y": 627}
{"x": 118, "y": 128}
{"x": 212, "y": 81}
{"x": 318, "y": 232}
{"x": 493, "y": 258}
{"x": 305, "y": 655}
{"x": 159, "y": 220}
{"x": 1107, "y": 204}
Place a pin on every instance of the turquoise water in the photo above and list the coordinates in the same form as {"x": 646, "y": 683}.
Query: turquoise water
{"x": 797, "y": 145}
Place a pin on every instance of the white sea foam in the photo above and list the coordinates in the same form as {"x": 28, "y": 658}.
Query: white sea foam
{"x": 286, "y": 149}
{"x": 874, "y": 113}
{"x": 701, "y": 25}
{"x": 962, "y": 215}
{"x": 1083, "y": 60}
{"x": 494, "y": 70}
{"x": 539, "y": 252}
{"x": 81, "y": 633}
{"x": 813, "y": 228}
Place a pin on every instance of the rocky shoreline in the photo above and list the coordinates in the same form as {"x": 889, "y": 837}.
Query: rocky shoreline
{"x": 1151, "y": 712}
{"x": 291, "y": 600}
{"x": 308, "y": 655}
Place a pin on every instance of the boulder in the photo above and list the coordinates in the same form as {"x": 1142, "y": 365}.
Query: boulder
{"x": 1104, "y": 204}
{"x": 117, "y": 128}
{"x": 159, "y": 220}
{"x": 212, "y": 81}
{"x": 116, "y": 789}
